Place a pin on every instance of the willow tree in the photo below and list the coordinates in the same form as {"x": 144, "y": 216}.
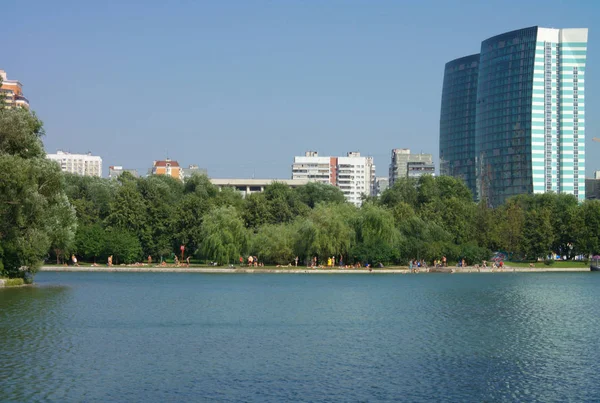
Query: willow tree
{"x": 327, "y": 231}
{"x": 224, "y": 237}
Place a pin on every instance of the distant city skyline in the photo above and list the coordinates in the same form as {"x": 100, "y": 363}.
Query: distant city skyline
{"x": 240, "y": 87}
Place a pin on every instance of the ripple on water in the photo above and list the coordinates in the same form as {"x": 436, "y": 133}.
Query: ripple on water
{"x": 178, "y": 337}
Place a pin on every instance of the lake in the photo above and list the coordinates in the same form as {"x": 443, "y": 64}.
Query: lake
{"x": 157, "y": 337}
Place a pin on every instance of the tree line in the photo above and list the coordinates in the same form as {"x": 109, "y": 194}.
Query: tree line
{"x": 48, "y": 215}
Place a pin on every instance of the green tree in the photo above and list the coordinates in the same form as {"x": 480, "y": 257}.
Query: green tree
{"x": 224, "y": 237}
{"x": 314, "y": 193}
{"x": 377, "y": 238}
{"x": 327, "y": 231}
{"x": 123, "y": 246}
{"x": 90, "y": 242}
{"x": 538, "y": 235}
{"x": 31, "y": 194}
{"x": 274, "y": 243}
{"x": 589, "y": 233}
{"x": 61, "y": 224}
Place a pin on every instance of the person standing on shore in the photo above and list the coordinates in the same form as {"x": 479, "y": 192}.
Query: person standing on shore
{"x": 74, "y": 259}
{"x": 444, "y": 261}
{"x": 149, "y": 260}
{"x": 296, "y": 261}
{"x": 110, "y": 261}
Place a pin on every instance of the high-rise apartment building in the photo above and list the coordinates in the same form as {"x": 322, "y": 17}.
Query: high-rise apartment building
{"x": 13, "y": 92}
{"x": 355, "y": 177}
{"x": 421, "y": 164}
{"x": 80, "y": 164}
{"x": 353, "y": 174}
{"x": 529, "y": 114}
{"x": 315, "y": 168}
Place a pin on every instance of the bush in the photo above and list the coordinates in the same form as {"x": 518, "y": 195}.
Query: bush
{"x": 548, "y": 262}
{"x": 13, "y": 282}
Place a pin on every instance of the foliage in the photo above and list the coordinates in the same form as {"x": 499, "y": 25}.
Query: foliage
{"x": 224, "y": 237}
{"x": 274, "y": 243}
{"x": 13, "y": 282}
{"x": 123, "y": 246}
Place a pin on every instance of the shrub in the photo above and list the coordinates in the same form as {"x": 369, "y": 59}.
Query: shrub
{"x": 13, "y": 282}
{"x": 548, "y": 262}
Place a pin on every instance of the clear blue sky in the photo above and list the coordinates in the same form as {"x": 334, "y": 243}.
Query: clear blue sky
{"x": 240, "y": 87}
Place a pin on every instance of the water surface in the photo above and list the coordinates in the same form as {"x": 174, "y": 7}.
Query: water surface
{"x": 159, "y": 337}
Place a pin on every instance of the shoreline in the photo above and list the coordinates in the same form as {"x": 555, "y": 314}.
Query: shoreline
{"x": 242, "y": 270}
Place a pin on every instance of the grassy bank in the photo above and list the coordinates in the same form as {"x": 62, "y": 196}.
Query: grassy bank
{"x": 12, "y": 282}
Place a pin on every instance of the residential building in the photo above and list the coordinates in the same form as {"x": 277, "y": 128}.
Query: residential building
{"x": 114, "y": 171}
{"x": 355, "y": 177}
{"x": 529, "y": 114}
{"x": 13, "y": 92}
{"x": 381, "y": 185}
{"x": 249, "y": 186}
{"x": 414, "y": 169}
{"x": 353, "y": 174}
{"x": 315, "y": 168}
{"x": 193, "y": 170}
{"x": 457, "y": 120}
{"x": 401, "y": 157}
{"x": 80, "y": 164}
{"x": 167, "y": 167}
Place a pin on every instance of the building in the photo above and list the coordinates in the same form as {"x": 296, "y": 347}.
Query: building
{"x": 193, "y": 170}
{"x": 79, "y": 164}
{"x": 529, "y": 114}
{"x": 167, "y": 167}
{"x": 414, "y": 169}
{"x": 114, "y": 171}
{"x": 315, "y": 168}
{"x": 249, "y": 186}
{"x": 381, "y": 185}
{"x": 353, "y": 174}
{"x": 457, "y": 120}
{"x": 13, "y": 92}
{"x": 401, "y": 158}
{"x": 592, "y": 187}
{"x": 355, "y": 177}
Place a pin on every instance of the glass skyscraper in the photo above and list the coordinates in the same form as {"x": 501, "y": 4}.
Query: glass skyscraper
{"x": 457, "y": 121}
{"x": 529, "y": 115}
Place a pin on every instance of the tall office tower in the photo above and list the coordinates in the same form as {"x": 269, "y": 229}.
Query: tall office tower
{"x": 457, "y": 120}
{"x": 530, "y": 106}
{"x": 353, "y": 175}
{"x": 403, "y": 161}
{"x": 80, "y": 164}
{"x": 13, "y": 92}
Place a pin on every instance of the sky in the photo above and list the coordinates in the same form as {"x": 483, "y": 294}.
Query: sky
{"x": 240, "y": 87}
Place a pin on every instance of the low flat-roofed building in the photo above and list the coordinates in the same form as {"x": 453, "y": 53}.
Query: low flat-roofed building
{"x": 249, "y": 186}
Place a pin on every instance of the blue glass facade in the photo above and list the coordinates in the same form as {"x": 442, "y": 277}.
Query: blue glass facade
{"x": 457, "y": 120}
{"x": 528, "y": 115}
{"x": 503, "y": 119}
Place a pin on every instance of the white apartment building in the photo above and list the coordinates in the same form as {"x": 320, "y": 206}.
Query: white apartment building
{"x": 80, "y": 164}
{"x": 353, "y": 175}
{"x": 314, "y": 168}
